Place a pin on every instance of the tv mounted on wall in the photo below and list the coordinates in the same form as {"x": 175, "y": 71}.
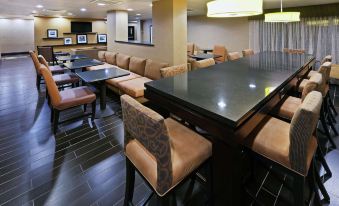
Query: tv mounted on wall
{"x": 81, "y": 27}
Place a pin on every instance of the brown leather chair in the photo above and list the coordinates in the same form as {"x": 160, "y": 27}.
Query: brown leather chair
{"x": 290, "y": 147}
{"x": 247, "y": 52}
{"x": 173, "y": 71}
{"x": 54, "y": 69}
{"x": 234, "y": 56}
{"x": 60, "y": 79}
{"x": 163, "y": 151}
{"x": 222, "y": 51}
{"x": 69, "y": 98}
{"x": 48, "y": 53}
{"x": 37, "y": 68}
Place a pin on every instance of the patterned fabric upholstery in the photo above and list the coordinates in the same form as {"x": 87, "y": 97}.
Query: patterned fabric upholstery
{"x": 234, "y": 56}
{"x": 150, "y": 130}
{"x": 190, "y": 48}
{"x": 247, "y": 52}
{"x": 205, "y": 63}
{"x": 327, "y": 58}
{"x": 173, "y": 71}
{"x": 192, "y": 62}
{"x": 152, "y": 69}
{"x": 325, "y": 71}
{"x": 302, "y": 127}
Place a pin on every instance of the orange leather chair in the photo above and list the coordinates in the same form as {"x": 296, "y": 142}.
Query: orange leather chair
{"x": 234, "y": 56}
{"x": 247, "y": 52}
{"x": 69, "y": 98}
{"x": 222, "y": 51}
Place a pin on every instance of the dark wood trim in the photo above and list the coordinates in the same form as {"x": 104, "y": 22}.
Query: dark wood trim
{"x": 75, "y": 33}
{"x": 14, "y": 53}
{"x": 70, "y": 45}
{"x": 58, "y": 38}
{"x": 135, "y": 43}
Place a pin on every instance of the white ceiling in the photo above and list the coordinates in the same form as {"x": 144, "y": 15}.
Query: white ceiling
{"x": 20, "y": 8}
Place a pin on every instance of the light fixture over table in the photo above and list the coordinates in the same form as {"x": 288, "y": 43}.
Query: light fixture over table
{"x": 234, "y": 8}
{"x": 281, "y": 16}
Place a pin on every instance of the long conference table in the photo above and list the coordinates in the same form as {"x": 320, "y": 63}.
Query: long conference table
{"x": 228, "y": 101}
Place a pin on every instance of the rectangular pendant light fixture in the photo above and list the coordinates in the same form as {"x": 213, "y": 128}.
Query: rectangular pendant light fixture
{"x": 234, "y": 8}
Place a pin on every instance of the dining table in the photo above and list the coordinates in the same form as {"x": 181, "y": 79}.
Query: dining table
{"x": 99, "y": 77}
{"x": 81, "y": 64}
{"x": 228, "y": 101}
{"x": 73, "y": 57}
{"x": 203, "y": 56}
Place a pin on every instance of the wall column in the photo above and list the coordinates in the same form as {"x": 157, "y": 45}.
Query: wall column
{"x": 117, "y": 25}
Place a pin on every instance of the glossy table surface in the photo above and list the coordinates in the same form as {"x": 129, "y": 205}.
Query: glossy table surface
{"x": 230, "y": 91}
{"x": 71, "y": 57}
{"x": 82, "y": 63}
{"x": 204, "y": 56}
{"x": 102, "y": 74}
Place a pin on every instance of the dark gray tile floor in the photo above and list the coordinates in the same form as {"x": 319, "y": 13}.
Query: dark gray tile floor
{"x": 84, "y": 163}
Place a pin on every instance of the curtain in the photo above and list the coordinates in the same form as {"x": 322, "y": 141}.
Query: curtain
{"x": 318, "y": 36}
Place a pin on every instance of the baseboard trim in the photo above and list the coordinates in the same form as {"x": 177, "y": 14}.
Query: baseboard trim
{"x": 13, "y": 53}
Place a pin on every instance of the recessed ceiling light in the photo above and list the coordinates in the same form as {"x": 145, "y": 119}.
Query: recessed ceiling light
{"x": 39, "y": 6}
{"x": 129, "y": 9}
{"x": 151, "y": 5}
{"x": 83, "y": 9}
{"x": 70, "y": 14}
{"x": 138, "y": 14}
{"x": 34, "y": 12}
{"x": 101, "y": 4}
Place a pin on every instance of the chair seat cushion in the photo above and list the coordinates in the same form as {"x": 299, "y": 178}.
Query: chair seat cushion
{"x": 57, "y": 69}
{"x": 135, "y": 87}
{"x": 75, "y": 97}
{"x": 115, "y": 81}
{"x": 103, "y": 66}
{"x": 62, "y": 79}
{"x": 311, "y": 73}
{"x": 273, "y": 142}
{"x": 303, "y": 84}
{"x": 289, "y": 107}
{"x": 188, "y": 151}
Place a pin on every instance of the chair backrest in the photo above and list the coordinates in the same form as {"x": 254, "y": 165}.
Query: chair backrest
{"x": 222, "y": 51}
{"x": 234, "y": 56}
{"x": 302, "y": 127}
{"x": 325, "y": 70}
{"x": 149, "y": 128}
{"x": 35, "y": 61}
{"x": 173, "y": 71}
{"x": 327, "y": 58}
{"x": 205, "y": 63}
{"x": 43, "y": 61}
{"x": 52, "y": 88}
{"x": 47, "y": 52}
{"x": 190, "y": 48}
{"x": 192, "y": 62}
{"x": 247, "y": 52}
{"x": 313, "y": 85}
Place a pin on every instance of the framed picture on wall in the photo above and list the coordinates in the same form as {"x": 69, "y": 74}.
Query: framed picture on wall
{"x": 81, "y": 39}
{"x": 52, "y": 33}
{"x": 68, "y": 41}
{"x": 102, "y": 38}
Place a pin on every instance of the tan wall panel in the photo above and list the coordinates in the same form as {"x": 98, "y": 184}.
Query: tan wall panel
{"x": 231, "y": 32}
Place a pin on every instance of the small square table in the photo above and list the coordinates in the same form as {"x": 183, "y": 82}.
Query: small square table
{"x": 71, "y": 58}
{"x": 100, "y": 76}
{"x": 204, "y": 56}
{"x": 82, "y": 63}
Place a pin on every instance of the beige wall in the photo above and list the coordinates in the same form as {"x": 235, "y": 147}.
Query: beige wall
{"x": 63, "y": 25}
{"x": 16, "y": 35}
{"x": 231, "y": 32}
{"x": 146, "y": 30}
{"x": 169, "y": 34}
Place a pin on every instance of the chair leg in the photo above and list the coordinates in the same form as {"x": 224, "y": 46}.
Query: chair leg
{"x": 299, "y": 190}
{"x": 38, "y": 80}
{"x": 130, "y": 178}
{"x": 332, "y": 105}
{"x": 46, "y": 93}
{"x": 209, "y": 181}
{"x": 85, "y": 107}
{"x": 52, "y": 115}
{"x": 55, "y": 120}
{"x": 313, "y": 185}
{"x": 330, "y": 122}
{"x": 323, "y": 162}
{"x": 320, "y": 184}
{"x": 323, "y": 123}
{"x": 94, "y": 105}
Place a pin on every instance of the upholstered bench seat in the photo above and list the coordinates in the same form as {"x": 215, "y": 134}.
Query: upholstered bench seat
{"x": 75, "y": 97}
{"x": 116, "y": 81}
{"x": 103, "y": 66}
{"x": 62, "y": 79}
{"x": 135, "y": 87}
{"x": 184, "y": 159}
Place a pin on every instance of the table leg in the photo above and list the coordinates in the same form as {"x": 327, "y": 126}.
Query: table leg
{"x": 102, "y": 95}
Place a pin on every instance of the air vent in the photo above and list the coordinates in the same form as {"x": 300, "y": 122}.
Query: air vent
{"x": 110, "y": 2}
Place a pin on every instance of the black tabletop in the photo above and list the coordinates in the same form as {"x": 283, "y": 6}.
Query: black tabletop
{"x": 82, "y": 63}
{"x": 71, "y": 57}
{"x": 102, "y": 74}
{"x": 204, "y": 56}
{"x": 229, "y": 91}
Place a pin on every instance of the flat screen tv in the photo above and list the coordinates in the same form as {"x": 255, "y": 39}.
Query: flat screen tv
{"x": 81, "y": 27}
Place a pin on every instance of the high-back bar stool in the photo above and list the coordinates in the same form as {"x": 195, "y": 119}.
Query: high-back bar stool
{"x": 290, "y": 147}
{"x": 163, "y": 151}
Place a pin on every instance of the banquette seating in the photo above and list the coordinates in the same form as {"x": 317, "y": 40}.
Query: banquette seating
{"x": 141, "y": 71}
